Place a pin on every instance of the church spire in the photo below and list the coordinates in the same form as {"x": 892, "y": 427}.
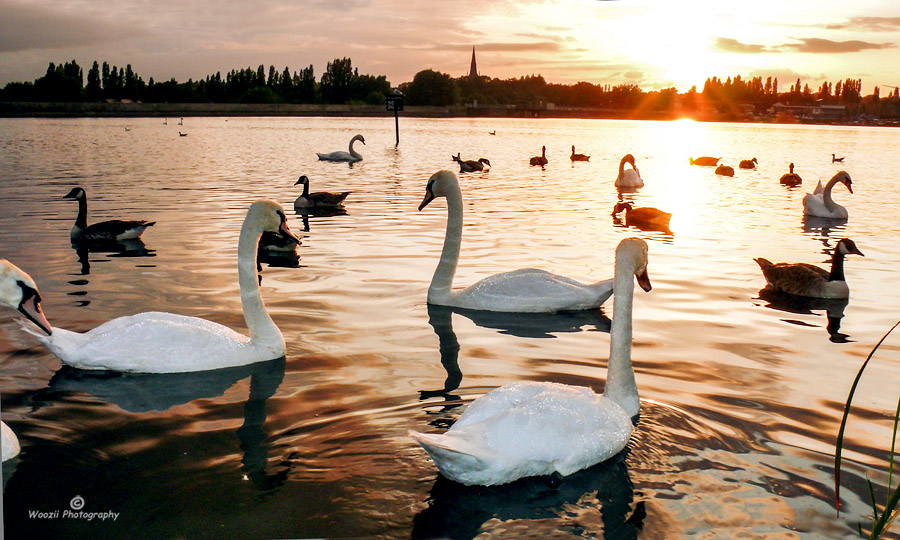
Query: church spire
{"x": 473, "y": 71}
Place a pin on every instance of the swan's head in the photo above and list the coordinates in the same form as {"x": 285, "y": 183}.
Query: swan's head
{"x": 267, "y": 215}
{"x": 302, "y": 180}
{"x": 621, "y": 206}
{"x": 358, "y": 138}
{"x": 76, "y": 193}
{"x": 847, "y": 246}
{"x": 844, "y": 178}
{"x": 627, "y": 158}
{"x": 18, "y": 291}
{"x": 439, "y": 185}
{"x": 631, "y": 256}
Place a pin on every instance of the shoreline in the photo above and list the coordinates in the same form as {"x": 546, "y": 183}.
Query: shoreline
{"x": 165, "y": 110}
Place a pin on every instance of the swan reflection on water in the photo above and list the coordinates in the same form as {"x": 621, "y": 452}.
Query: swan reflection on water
{"x": 803, "y": 305}
{"x": 458, "y": 511}
{"x": 147, "y": 392}
{"x": 531, "y": 325}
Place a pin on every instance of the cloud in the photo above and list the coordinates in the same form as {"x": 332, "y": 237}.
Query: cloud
{"x": 827, "y": 46}
{"x": 805, "y": 45}
{"x": 871, "y": 24}
{"x": 23, "y": 28}
{"x": 734, "y": 46}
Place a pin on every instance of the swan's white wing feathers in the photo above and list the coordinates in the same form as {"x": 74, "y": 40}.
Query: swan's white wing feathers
{"x": 152, "y": 342}
{"x": 532, "y": 290}
{"x": 529, "y": 429}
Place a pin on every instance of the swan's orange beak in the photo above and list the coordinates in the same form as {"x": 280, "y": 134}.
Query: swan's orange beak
{"x": 31, "y": 308}
{"x": 429, "y": 196}
{"x": 849, "y": 187}
{"x": 286, "y": 231}
{"x": 643, "y": 280}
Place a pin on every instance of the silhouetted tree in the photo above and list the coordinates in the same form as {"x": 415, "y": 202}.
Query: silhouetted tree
{"x": 94, "y": 88}
{"x": 430, "y": 87}
{"x": 336, "y": 81}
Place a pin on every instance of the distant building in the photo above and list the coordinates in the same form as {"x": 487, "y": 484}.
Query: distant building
{"x": 473, "y": 70}
{"x": 819, "y": 112}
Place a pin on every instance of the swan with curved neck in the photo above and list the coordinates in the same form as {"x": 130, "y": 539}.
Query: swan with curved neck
{"x": 540, "y": 428}
{"x": 351, "y": 155}
{"x": 155, "y": 342}
{"x": 629, "y": 177}
{"x": 112, "y": 230}
{"x": 524, "y": 290}
{"x": 802, "y": 279}
{"x": 822, "y": 205}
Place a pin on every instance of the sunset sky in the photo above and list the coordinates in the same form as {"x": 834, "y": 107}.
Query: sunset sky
{"x": 655, "y": 44}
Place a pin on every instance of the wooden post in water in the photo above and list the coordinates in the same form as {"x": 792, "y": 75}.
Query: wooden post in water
{"x": 395, "y": 103}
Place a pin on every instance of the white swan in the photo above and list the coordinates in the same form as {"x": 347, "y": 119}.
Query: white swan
{"x": 351, "y": 156}
{"x": 533, "y": 428}
{"x": 629, "y": 177}
{"x": 9, "y": 443}
{"x": 524, "y": 290}
{"x": 819, "y": 203}
{"x": 156, "y": 342}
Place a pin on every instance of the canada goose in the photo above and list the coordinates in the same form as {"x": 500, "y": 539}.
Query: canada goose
{"x": 748, "y": 163}
{"x": 836, "y": 159}
{"x": 471, "y": 165}
{"x": 804, "y": 279}
{"x": 645, "y": 215}
{"x": 115, "y": 229}
{"x": 319, "y": 199}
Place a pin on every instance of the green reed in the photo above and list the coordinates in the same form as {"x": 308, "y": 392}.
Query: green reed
{"x": 882, "y": 522}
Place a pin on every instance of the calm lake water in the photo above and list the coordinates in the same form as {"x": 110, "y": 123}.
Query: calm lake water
{"x": 741, "y": 395}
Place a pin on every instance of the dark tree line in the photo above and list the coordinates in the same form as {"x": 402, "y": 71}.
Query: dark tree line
{"x": 341, "y": 83}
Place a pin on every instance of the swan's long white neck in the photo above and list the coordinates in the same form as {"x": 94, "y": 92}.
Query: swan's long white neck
{"x": 622, "y": 167}
{"x": 262, "y": 329}
{"x": 353, "y": 152}
{"x": 826, "y": 195}
{"x": 442, "y": 281}
{"x": 620, "y": 384}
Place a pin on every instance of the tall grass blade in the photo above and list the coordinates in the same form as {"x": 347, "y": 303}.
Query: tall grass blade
{"x": 839, "y": 445}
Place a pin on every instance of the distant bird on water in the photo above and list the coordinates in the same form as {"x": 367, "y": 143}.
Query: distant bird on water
{"x": 790, "y": 178}
{"x": 471, "y": 165}
{"x": 748, "y": 163}
{"x": 578, "y": 157}
{"x": 105, "y": 230}
{"x": 725, "y": 170}
{"x": 836, "y": 159}
{"x": 541, "y": 159}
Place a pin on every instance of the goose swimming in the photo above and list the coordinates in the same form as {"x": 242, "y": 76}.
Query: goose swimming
{"x": 541, "y": 159}
{"x": 524, "y": 290}
{"x": 543, "y": 428}
{"x": 155, "y": 342}
{"x": 578, "y": 157}
{"x": 790, "y": 178}
{"x": 350, "y": 156}
{"x": 318, "y": 199}
{"x": 470, "y": 165}
{"x": 115, "y": 229}
{"x": 804, "y": 279}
